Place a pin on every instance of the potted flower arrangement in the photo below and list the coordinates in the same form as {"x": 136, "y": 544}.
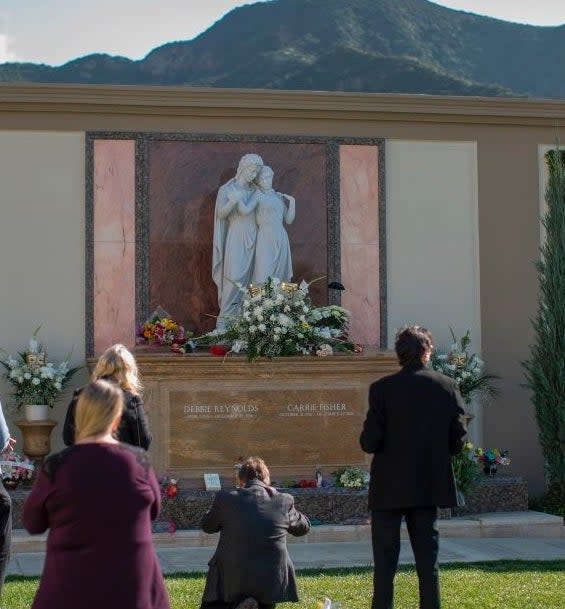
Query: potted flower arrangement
{"x": 491, "y": 458}
{"x": 37, "y": 382}
{"x": 15, "y": 469}
{"x": 161, "y": 330}
{"x": 351, "y": 477}
{"x": 466, "y": 368}
{"x": 278, "y": 319}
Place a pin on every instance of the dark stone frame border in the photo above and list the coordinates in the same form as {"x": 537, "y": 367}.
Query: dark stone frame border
{"x": 142, "y": 228}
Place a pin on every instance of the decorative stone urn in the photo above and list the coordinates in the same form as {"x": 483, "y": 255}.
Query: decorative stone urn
{"x": 36, "y": 412}
{"x": 36, "y": 439}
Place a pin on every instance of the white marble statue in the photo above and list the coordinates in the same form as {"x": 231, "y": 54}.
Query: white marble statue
{"x": 235, "y": 235}
{"x": 272, "y": 251}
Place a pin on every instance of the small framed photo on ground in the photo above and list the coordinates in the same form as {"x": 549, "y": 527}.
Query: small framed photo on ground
{"x": 212, "y": 482}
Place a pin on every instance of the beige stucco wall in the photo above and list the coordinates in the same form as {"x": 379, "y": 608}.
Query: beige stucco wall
{"x": 432, "y": 243}
{"x": 42, "y": 246}
{"x": 507, "y": 133}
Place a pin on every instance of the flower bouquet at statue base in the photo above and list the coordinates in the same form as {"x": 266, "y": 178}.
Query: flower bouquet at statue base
{"x": 160, "y": 330}
{"x": 278, "y": 319}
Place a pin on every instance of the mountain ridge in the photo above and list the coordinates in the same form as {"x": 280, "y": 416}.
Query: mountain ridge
{"x": 402, "y": 46}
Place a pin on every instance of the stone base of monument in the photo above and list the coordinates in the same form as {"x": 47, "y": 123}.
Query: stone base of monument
{"x": 326, "y": 505}
{"x": 343, "y": 506}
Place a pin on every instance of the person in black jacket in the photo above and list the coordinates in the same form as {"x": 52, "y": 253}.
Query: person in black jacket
{"x": 251, "y": 567}
{"x": 414, "y": 424}
{"x": 118, "y": 365}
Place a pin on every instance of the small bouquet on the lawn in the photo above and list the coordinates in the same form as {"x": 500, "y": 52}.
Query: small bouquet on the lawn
{"x": 169, "y": 486}
{"x": 161, "y": 329}
{"x": 351, "y": 477}
{"x": 278, "y": 319}
{"x": 16, "y": 467}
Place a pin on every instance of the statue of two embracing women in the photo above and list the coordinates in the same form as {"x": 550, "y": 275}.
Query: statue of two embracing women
{"x": 250, "y": 241}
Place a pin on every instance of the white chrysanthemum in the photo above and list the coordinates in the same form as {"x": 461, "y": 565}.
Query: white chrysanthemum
{"x": 262, "y": 327}
{"x": 35, "y": 381}
{"x": 258, "y": 310}
{"x": 276, "y": 337}
{"x": 252, "y": 329}
{"x": 239, "y": 345}
{"x": 286, "y": 309}
{"x": 58, "y": 386}
{"x": 246, "y": 316}
{"x": 277, "y": 330}
{"x": 27, "y": 375}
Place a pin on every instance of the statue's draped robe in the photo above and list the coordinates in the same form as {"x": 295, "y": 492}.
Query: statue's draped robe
{"x": 272, "y": 252}
{"x": 234, "y": 250}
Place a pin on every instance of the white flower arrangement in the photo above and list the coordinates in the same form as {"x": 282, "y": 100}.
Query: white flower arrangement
{"x": 351, "y": 477}
{"x": 278, "y": 319}
{"x": 35, "y": 379}
{"x": 466, "y": 368}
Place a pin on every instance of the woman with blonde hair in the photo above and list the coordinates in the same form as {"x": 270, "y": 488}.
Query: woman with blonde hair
{"x": 117, "y": 365}
{"x": 97, "y": 498}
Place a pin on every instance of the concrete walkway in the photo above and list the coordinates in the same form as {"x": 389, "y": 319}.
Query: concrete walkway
{"x": 487, "y": 537}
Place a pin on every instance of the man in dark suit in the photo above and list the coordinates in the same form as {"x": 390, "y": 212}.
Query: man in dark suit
{"x": 251, "y": 567}
{"x": 414, "y": 424}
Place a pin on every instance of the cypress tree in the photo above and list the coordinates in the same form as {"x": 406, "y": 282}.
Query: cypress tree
{"x": 545, "y": 369}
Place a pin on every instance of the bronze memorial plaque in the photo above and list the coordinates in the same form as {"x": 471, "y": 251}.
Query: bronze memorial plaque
{"x": 302, "y": 426}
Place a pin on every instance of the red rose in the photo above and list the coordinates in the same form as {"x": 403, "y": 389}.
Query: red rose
{"x": 172, "y": 491}
{"x": 219, "y": 350}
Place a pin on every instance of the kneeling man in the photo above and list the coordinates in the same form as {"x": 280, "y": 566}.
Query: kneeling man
{"x": 251, "y": 567}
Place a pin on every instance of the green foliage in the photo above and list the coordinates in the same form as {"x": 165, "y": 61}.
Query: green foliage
{"x": 466, "y": 470}
{"x": 500, "y": 584}
{"x": 545, "y": 369}
{"x": 553, "y": 502}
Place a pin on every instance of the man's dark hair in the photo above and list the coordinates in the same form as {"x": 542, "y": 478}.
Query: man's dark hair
{"x": 411, "y": 343}
{"x": 254, "y": 468}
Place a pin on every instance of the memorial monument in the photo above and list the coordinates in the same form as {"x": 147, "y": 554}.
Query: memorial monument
{"x": 250, "y": 241}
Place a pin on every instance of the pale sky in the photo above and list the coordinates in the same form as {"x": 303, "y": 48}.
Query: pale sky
{"x": 56, "y": 31}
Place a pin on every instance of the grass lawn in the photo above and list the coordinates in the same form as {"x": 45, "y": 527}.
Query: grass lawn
{"x": 490, "y": 585}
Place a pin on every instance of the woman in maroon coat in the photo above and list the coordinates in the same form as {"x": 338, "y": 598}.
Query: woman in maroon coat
{"x": 97, "y": 498}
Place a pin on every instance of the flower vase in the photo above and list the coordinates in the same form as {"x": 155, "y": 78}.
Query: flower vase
{"x": 490, "y": 470}
{"x": 36, "y": 412}
{"x": 10, "y": 484}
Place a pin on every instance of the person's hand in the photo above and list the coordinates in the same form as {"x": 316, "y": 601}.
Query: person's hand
{"x": 11, "y": 444}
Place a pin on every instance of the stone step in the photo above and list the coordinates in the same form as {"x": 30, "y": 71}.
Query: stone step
{"x": 491, "y": 525}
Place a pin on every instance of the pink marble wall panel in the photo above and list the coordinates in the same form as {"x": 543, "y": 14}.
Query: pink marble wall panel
{"x": 184, "y": 178}
{"x": 359, "y": 220}
{"x": 114, "y": 243}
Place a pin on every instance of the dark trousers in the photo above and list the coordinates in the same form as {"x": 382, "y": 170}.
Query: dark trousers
{"x": 424, "y": 537}
{"x": 5, "y": 532}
